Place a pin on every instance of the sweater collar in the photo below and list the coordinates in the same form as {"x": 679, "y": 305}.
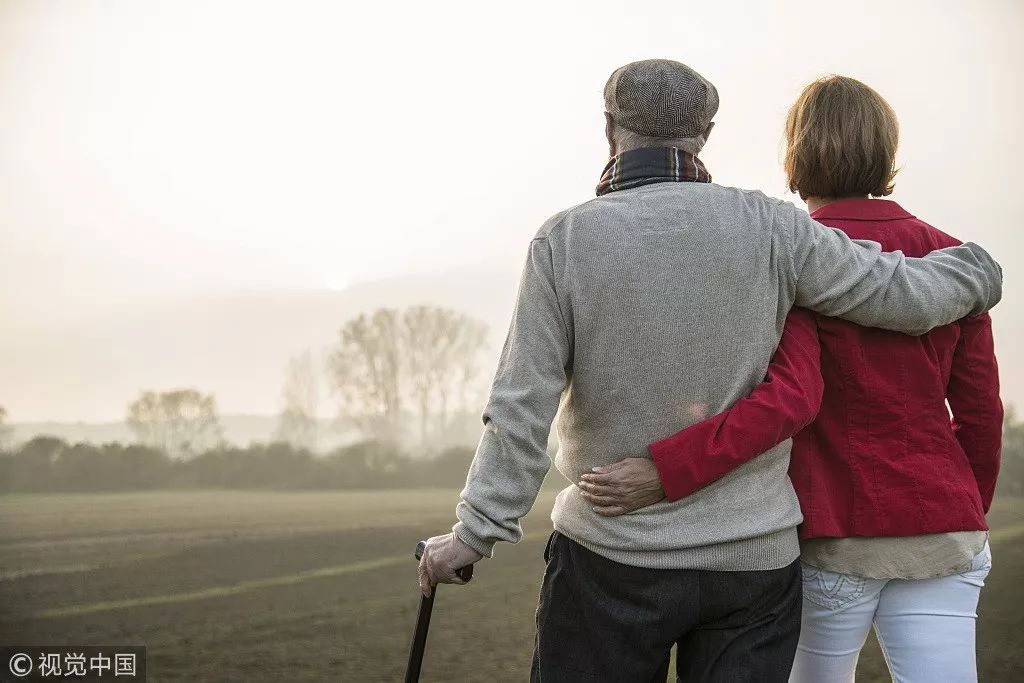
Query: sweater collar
{"x": 859, "y": 209}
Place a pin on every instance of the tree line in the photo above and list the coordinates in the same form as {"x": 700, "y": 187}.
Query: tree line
{"x": 48, "y": 464}
{"x": 53, "y": 465}
{"x": 402, "y": 379}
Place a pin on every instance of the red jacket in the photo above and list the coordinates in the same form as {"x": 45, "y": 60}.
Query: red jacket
{"x": 882, "y": 457}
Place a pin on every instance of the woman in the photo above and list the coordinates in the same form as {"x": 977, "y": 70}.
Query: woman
{"x": 893, "y": 493}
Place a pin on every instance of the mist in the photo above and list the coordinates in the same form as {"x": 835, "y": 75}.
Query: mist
{"x": 192, "y": 193}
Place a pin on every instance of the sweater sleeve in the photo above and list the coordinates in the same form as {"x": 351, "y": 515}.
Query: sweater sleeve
{"x": 786, "y": 402}
{"x": 855, "y": 280}
{"x": 511, "y": 459}
{"x": 973, "y": 395}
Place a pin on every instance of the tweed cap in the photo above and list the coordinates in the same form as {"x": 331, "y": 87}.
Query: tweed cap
{"x": 660, "y": 98}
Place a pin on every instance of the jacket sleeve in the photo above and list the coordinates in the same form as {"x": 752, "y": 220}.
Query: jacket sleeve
{"x": 855, "y": 280}
{"x": 511, "y": 459}
{"x": 786, "y": 402}
{"x": 973, "y": 395}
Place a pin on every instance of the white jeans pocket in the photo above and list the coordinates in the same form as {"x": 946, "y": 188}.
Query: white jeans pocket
{"x": 831, "y": 590}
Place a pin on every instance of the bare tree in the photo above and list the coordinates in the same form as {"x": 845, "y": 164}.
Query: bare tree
{"x": 421, "y": 358}
{"x": 466, "y": 376}
{"x": 450, "y": 347}
{"x": 365, "y": 366}
{"x": 182, "y": 422}
{"x": 429, "y": 337}
{"x": 301, "y": 396}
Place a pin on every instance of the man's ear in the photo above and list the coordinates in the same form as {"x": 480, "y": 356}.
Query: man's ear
{"x": 609, "y": 132}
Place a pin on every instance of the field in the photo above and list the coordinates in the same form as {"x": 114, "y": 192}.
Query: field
{"x": 229, "y": 586}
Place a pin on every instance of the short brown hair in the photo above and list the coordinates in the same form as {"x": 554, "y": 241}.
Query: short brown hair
{"x": 841, "y": 139}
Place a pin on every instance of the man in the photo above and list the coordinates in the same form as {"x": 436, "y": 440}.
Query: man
{"x": 644, "y": 310}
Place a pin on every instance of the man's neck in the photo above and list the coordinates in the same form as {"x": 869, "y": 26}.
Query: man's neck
{"x": 815, "y": 203}
{"x": 688, "y": 147}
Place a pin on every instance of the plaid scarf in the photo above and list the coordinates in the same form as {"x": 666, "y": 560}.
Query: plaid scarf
{"x": 648, "y": 165}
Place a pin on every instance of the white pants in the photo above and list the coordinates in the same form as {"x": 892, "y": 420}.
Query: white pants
{"x": 925, "y": 627}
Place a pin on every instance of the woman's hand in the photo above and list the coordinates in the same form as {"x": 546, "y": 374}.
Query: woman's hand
{"x": 622, "y": 487}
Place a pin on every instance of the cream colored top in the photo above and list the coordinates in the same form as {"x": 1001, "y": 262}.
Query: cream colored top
{"x": 896, "y": 557}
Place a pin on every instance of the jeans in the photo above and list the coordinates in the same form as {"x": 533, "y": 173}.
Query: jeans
{"x": 925, "y": 627}
{"x": 599, "y": 620}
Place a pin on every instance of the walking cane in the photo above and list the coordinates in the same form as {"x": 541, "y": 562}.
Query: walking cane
{"x": 419, "y": 639}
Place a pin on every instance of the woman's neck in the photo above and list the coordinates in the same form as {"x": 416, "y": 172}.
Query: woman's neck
{"x": 815, "y": 203}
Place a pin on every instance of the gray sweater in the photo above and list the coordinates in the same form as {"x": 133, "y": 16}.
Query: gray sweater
{"x": 645, "y": 310}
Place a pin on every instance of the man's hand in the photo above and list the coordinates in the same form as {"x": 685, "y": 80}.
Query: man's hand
{"x": 442, "y": 557}
{"x": 622, "y": 487}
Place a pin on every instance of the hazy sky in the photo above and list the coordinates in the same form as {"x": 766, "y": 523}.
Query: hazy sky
{"x": 160, "y": 154}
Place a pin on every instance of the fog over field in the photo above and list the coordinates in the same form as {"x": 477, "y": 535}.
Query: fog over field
{"x": 190, "y": 193}
{"x": 220, "y": 343}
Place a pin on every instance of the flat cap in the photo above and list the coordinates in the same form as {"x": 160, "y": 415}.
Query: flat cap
{"x": 660, "y": 98}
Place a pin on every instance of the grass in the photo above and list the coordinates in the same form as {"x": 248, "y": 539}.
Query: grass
{"x": 239, "y": 586}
